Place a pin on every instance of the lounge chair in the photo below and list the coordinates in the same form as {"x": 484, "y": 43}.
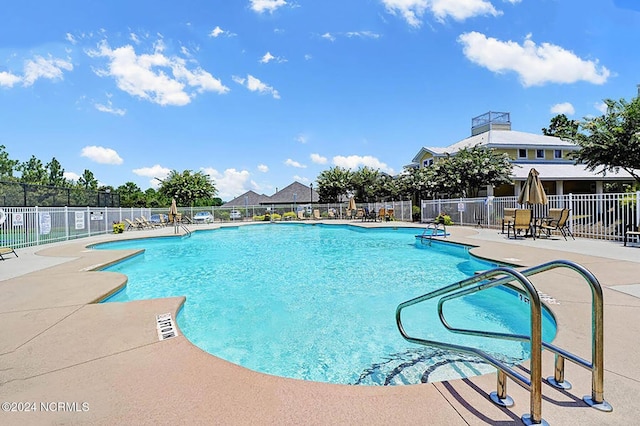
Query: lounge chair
{"x": 150, "y": 224}
{"x": 521, "y": 222}
{"x": 360, "y": 214}
{"x": 558, "y": 225}
{"x": 331, "y": 214}
{"x": 390, "y": 214}
{"x": 382, "y": 214}
{"x": 6, "y": 250}
{"x": 316, "y": 214}
{"x": 631, "y": 231}
{"x": 133, "y": 225}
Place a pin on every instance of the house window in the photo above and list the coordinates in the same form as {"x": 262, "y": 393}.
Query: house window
{"x": 427, "y": 162}
{"x": 557, "y": 154}
{"x": 539, "y": 153}
{"x": 522, "y": 153}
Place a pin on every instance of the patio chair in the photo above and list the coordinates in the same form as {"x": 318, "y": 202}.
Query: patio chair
{"x": 521, "y": 222}
{"x": 382, "y": 214}
{"x": 316, "y": 214}
{"x": 301, "y": 214}
{"x": 559, "y": 225}
{"x": 5, "y": 251}
{"x": 360, "y": 214}
{"x": 631, "y": 231}
{"x": 507, "y": 216}
{"x": 133, "y": 225}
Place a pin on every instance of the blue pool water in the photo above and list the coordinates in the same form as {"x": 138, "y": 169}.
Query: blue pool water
{"x": 318, "y": 302}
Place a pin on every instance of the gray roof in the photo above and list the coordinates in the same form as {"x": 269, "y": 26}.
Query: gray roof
{"x": 565, "y": 171}
{"x": 502, "y": 139}
{"x": 249, "y": 198}
{"x": 286, "y": 195}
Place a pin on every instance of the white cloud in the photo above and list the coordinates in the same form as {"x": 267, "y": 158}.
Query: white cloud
{"x": 134, "y": 38}
{"x": 156, "y": 171}
{"x": 362, "y": 34}
{"x": 70, "y": 38}
{"x": 101, "y": 155}
{"x": 513, "y": 1}
{"x": 40, "y": 67}
{"x": 301, "y": 138}
{"x": 328, "y": 36}
{"x": 109, "y": 108}
{"x": 412, "y": 11}
{"x": 307, "y": 57}
{"x": 255, "y": 85}
{"x": 536, "y": 65}
{"x": 270, "y": 6}
{"x": 231, "y": 183}
{"x": 263, "y": 168}
{"x": 217, "y": 31}
{"x": 293, "y": 163}
{"x": 300, "y": 179}
{"x": 161, "y": 79}
{"x": 268, "y": 57}
{"x": 601, "y": 106}
{"x": 318, "y": 159}
{"x": 563, "y": 108}
{"x": 353, "y": 162}
{"x": 8, "y": 80}
{"x": 71, "y": 176}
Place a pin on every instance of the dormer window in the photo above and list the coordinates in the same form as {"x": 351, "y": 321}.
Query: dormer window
{"x": 557, "y": 154}
{"x": 539, "y": 153}
{"x": 427, "y": 162}
{"x": 522, "y": 153}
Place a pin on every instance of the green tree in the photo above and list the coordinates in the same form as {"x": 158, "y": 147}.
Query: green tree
{"x": 471, "y": 169}
{"x": 131, "y": 195}
{"x": 364, "y": 184}
{"x": 333, "y": 184}
{"x": 87, "y": 180}
{"x": 33, "y": 171}
{"x": 611, "y": 141}
{"x": 7, "y": 166}
{"x": 561, "y": 127}
{"x": 187, "y": 187}
{"x": 55, "y": 173}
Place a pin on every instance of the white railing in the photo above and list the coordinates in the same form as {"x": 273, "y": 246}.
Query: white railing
{"x": 597, "y": 216}
{"x": 30, "y": 226}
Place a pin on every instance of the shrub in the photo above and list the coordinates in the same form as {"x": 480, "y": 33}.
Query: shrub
{"x": 259, "y": 218}
{"x": 118, "y": 227}
{"x": 416, "y": 214}
{"x": 289, "y": 215}
{"x": 223, "y": 215}
{"x": 444, "y": 218}
{"x": 276, "y": 216}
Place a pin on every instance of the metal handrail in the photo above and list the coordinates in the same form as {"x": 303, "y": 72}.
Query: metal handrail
{"x": 596, "y": 400}
{"x": 434, "y": 226}
{"x": 534, "y": 384}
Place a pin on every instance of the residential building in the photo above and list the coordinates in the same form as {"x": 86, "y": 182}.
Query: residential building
{"x": 549, "y": 155}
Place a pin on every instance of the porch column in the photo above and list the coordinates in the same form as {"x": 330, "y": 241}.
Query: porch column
{"x": 489, "y": 190}
{"x": 559, "y": 187}
{"x": 599, "y": 187}
{"x": 516, "y": 188}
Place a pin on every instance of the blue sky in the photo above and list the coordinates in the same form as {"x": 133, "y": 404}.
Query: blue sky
{"x": 259, "y": 93}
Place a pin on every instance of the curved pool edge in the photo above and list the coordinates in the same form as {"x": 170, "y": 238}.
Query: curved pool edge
{"x": 141, "y": 383}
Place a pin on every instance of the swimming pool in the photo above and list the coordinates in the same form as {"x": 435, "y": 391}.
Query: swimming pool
{"x": 317, "y": 302}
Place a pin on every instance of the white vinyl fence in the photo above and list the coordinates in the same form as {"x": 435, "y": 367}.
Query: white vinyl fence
{"x": 597, "y": 216}
{"x": 31, "y": 226}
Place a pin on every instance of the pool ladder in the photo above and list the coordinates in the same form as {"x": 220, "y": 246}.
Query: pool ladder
{"x": 178, "y": 226}
{"x": 434, "y": 227}
{"x": 504, "y": 276}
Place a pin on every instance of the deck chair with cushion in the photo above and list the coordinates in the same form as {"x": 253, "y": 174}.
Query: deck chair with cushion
{"x": 559, "y": 225}
{"x": 382, "y": 214}
{"x": 316, "y": 214}
{"x": 521, "y": 222}
{"x": 507, "y": 216}
{"x": 5, "y": 251}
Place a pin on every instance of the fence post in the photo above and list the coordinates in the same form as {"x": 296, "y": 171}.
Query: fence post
{"x": 37, "y": 221}
{"x": 88, "y": 222}
{"x": 637, "y": 208}
{"x": 106, "y": 219}
{"x": 570, "y": 207}
{"x": 66, "y": 223}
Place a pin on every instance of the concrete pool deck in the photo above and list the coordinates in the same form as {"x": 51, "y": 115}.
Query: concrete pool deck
{"x": 105, "y": 364}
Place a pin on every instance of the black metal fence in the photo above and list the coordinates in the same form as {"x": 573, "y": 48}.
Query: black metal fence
{"x": 18, "y": 194}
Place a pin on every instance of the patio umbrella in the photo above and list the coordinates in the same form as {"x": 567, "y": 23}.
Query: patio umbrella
{"x": 352, "y": 203}
{"x": 532, "y": 192}
{"x": 173, "y": 210}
